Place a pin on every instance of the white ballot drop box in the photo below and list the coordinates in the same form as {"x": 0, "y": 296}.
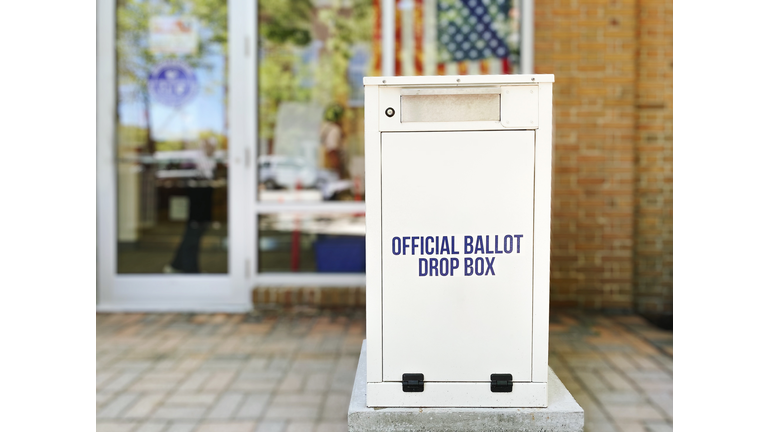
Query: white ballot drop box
{"x": 458, "y": 184}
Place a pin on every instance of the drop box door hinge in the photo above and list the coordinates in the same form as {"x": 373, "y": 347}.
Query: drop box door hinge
{"x": 501, "y": 383}
{"x": 413, "y": 382}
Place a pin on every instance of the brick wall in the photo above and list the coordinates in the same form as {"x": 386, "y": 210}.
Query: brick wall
{"x": 653, "y": 193}
{"x": 607, "y": 209}
{"x": 322, "y": 297}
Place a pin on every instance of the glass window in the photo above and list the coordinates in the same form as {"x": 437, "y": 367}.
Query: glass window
{"x": 172, "y": 136}
{"x": 313, "y": 55}
{"x": 323, "y": 243}
{"x": 457, "y": 37}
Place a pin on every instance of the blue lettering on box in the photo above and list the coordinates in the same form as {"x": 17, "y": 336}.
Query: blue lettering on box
{"x": 511, "y": 244}
{"x": 444, "y": 249}
{"x": 454, "y": 264}
{"x": 489, "y": 263}
{"x": 396, "y": 245}
{"x": 423, "y": 266}
{"x": 441, "y": 245}
{"x": 444, "y": 269}
{"x": 479, "y": 266}
{"x": 479, "y": 246}
{"x": 433, "y": 266}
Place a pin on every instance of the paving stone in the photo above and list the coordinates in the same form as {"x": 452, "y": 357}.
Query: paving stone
{"x": 615, "y": 380}
{"x": 591, "y": 380}
{"x": 104, "y": 396}
{"x": 122, "y": 381}
{"x": 189, "y": 364}
{"x": 630, "y": 426}
{"x": 117, "y": 406}
{"x": 229, "y": 426}
{"x": 226, "y": 406}
{"x": 181, "y": 426}
{"x": 219, "y": 381}
{"x": 261, "y": 374}
{"x": 179, "y": 412}
{"x": 639, "y": 411}
{"x": 619, "y": 397}
{"x": 253, "y": 406}
{"x": 157, "y": 381}
{"x": 222, "y": 364}
{"x": 291, "y": 412}
{"x": 112, "y": 426}
{"x": 291, "y": 383}
{"x": 307, "y": 399}
{"x": 152, "y": 426}
{"x": 317, "y": 381}
{"x": 192, "y": 398}
{"x": 256, "y": 363}
{"x": 254, "y": 385}
{"x": 662, "y": 400}
{"x": 300, "y": 426}
{"x": 145, "y": 405}
{"x": 295, "y": 374}
{"x": 194, "y": 381}
{"x": 657, "y": 426}
{"x": 103, "y": 377}
{"x": 272, "y": 426}
{"x": 598, "y": 426}
{"x": 336, "y": 406}
{"x": 655, "y": 386}
{"x": 331, "y": 426}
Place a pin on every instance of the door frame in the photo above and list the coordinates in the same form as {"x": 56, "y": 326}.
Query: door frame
{"x": 178, "y": 292}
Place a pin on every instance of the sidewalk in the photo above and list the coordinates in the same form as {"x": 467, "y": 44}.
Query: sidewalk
{"x": 294, "y": 371}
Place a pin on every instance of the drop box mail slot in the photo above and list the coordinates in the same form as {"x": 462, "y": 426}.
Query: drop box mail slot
{"x": 458, "y": 180}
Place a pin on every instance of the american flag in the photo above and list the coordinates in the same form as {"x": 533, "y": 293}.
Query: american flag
{"x": 452, "y": 37}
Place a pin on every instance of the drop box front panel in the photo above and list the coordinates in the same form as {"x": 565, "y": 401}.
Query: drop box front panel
{"x": 457, "y": 254}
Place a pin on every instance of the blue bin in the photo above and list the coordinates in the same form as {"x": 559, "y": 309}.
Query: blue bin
{"x": 340, "y": 254}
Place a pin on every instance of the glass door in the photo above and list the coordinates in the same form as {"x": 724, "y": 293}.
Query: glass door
{"x": 166, "y": 200}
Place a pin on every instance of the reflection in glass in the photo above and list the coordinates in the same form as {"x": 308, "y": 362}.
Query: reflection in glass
{"x": 455, "y": 37}
{"x": 312, "y": 59}
{"x": 324, "y": 243}
{"x": 172, "y": 136}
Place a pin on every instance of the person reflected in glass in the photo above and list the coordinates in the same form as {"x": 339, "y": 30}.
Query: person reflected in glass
{"x": 331, "y": 139}
{"x": 200, "y": 194}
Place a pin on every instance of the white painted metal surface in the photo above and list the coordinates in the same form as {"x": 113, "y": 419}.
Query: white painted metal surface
{"x": 437, "y": 303}
{"x": 450, "y": 295}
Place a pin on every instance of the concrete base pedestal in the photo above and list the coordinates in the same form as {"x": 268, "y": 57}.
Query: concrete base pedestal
{"x": 562, "y": 415}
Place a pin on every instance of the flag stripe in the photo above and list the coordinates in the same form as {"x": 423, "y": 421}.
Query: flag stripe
{"x": 485, "y": 67}
{"x": 398, "y": 43}
{"x": 376, "y": 39}
{"x": 418, "y": 37}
